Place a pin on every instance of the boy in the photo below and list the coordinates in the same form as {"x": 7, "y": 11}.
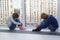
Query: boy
{"x": 49, "y": 21}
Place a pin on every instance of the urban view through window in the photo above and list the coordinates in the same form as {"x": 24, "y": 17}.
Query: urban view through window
{"x": 33, "y": 9}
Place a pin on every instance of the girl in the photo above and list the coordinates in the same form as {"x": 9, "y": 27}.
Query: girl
{"x": 13, "y": 21}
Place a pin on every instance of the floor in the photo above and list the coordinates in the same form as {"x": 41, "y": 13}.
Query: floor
{"x": 20, "y": 36}
{"x": 27, "y": 35}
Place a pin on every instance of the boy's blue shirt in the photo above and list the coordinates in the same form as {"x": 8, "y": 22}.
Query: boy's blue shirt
{"x": 49, "y": 21}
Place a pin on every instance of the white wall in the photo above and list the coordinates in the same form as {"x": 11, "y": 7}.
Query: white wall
{"x": 58, "y": 13}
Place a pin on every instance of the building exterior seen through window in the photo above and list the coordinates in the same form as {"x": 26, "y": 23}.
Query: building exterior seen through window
{"x": 5, "y": 10}
{"x": 33, "y": 9}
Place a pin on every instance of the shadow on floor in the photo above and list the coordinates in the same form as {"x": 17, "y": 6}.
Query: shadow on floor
{"x": 30, "y": 32}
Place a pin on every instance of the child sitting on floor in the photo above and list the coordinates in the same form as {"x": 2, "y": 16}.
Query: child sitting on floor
{"x": 13, "y": 20}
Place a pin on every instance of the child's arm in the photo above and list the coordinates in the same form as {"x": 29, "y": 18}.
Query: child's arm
{"x": 20, "y": 24}
{"x": 14, "y": 21}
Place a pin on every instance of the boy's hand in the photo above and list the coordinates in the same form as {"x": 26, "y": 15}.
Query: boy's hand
{"x": 36, "y": 25}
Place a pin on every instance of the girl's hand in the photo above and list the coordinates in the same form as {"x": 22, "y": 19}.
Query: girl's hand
{"x": 21, "y": 24}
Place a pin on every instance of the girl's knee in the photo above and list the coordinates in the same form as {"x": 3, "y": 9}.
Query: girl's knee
{"x": 17, "y": 20}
